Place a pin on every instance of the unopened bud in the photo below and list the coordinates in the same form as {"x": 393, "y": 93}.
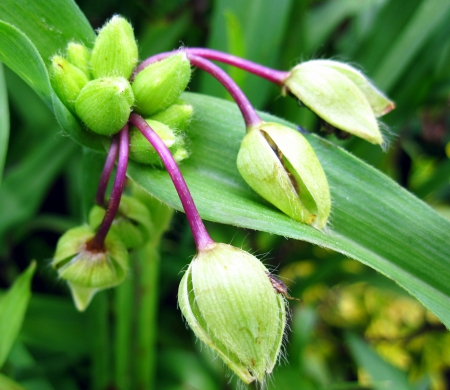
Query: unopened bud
{"x": 104, "y": 104}
{"x": 177, "y": 116}
{"x": 229, "y": 302}
{"x": 67, "y": 81}
{"x": 160, "y": 84}
{"x": 340, "y": 95}
{"x": 143, "y": 152}
{"x": 115, "y": 51}
{"x": 79, "y": 55}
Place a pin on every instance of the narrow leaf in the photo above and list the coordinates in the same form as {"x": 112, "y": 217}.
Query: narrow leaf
{"x": 4, "y": 122}
{"x": 383, "y": 375}
{"x": 12, "y": 310}
{"x": 373, "y": 219}
{"x": 49, "y": 24}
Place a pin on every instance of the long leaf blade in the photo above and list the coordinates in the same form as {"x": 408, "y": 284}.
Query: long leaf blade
{"x": 4, "y": 122}
{"x": 373, "y": 219}
{"x": 12, "y": 310}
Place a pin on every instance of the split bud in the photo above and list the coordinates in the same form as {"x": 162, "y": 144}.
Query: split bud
{"x": 229, "y": 302}
{"x": 340, "y": 95}
{"x": 160, "y": 84}
{"x": 279, "y": 164}
{"x": 86, "y": 269}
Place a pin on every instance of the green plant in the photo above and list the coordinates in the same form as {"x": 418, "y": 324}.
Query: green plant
{"x": 366, "y": 210}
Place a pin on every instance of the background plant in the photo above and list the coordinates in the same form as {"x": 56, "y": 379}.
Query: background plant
{"x": 404, "y": 49}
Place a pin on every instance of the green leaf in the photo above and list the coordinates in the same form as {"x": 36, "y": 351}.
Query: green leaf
{"x": 259, "y": 43}
{"x": 8, "y": 384}
{"x": 373, "y": 219}
{"x": 426, "y": 19}
{"x": 12, "y": 310}
{"x": 50, "y": 24}
{"x": 25, "y": 186}
{"x": 19, "y": 54}
{"x": 4, "y": 122}
{"x": 383, "y": 375}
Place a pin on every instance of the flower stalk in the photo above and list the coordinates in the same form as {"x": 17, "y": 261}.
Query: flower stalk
{"x": 107, "y": 170}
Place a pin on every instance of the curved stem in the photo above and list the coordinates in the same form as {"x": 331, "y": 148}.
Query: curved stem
{"x": 97, "y": 243}
{"x": 201, "y": 236}
{"x": 251, "y": 118}
{"x": 107, "y": 169}
{"x": 272, "y": 75}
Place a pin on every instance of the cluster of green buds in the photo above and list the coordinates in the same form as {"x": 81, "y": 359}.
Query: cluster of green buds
{"x": 227, "y": 296}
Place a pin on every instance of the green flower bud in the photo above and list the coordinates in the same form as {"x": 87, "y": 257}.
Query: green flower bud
{"x": 104, "y": 104}
{"x": 143, "y": 152}
{"x": 177, "y": 116}
{"x": 67, "y": 81}
{"x": 132, "y": 223}
{"x": 160, "y": 84}
{"x": 88, "y": 271}
{"x": 230, "y": 304}
{"x": 115, "y": 51}
{"x": 279, "y": 164}
{"x": 79, "y": 55}
{"x": 341, "y": 95}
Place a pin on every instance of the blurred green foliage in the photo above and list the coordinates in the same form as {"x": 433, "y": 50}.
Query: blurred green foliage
{"x": 354, "y": 329}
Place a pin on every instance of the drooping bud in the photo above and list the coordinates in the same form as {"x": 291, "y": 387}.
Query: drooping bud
{"x": 104, "y": 104}
{"x": 79, "y": 55}
{"x": 88, "y": 271}
{"x": 160, "y": 84}
{"x": 177, "y": 116}
{"x": 341, "y": 95}
{"x": 230, "y": 304}
{"x": 279, "y": 164}
{"x": 115, "y": 52}
{"x": 132, "y": 222}
{"x": 143, "y": 152}
{"x": 67, "y": 81}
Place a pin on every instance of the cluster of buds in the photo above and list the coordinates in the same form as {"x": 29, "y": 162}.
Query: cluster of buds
{"x": 228, "y": 297}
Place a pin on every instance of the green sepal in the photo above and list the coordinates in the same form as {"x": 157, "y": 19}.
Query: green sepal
{"x": 79, "y": 55}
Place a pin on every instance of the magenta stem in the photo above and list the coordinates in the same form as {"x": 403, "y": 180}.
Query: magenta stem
{"x": 107, "y": 169}
{"x": 272, "y": 75}
{"x": 249, "y": 113}
{"x": 97, "y": 243}
{"x": 201, "y": 236}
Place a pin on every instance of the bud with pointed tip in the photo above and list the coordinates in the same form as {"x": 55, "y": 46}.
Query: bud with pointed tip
{"x": 104, "y": 104}
{"x": 177, "y": 116}
{"x": 88, "y": 271}
{"x": 279, "y": 164}
{"x": 143, "y": 152}
{"x": 115, "y": 51}
{"x": 132, "y": 222}
{"x": 341, "y": 95}
{"x": 160, "y": 84}
{"x": 67, "y": 80}
{"x": 230, "y": 304}
{"x": 79, "y": 55}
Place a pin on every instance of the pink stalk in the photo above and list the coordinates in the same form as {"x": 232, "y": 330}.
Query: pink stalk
{"x": 272, "y": 75}
{"x": 201, "y": 236}
{"x": 97, "y": 243}
{"x": 107, "y": 169}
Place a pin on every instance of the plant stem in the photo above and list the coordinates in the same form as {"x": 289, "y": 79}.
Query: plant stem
{"x": 251, "y": 118}
{"x": 97, "y": 243}
{"x": 107, "y": 169}
{"x": 201, "y": 236}
{"x": 272, "y": 75}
